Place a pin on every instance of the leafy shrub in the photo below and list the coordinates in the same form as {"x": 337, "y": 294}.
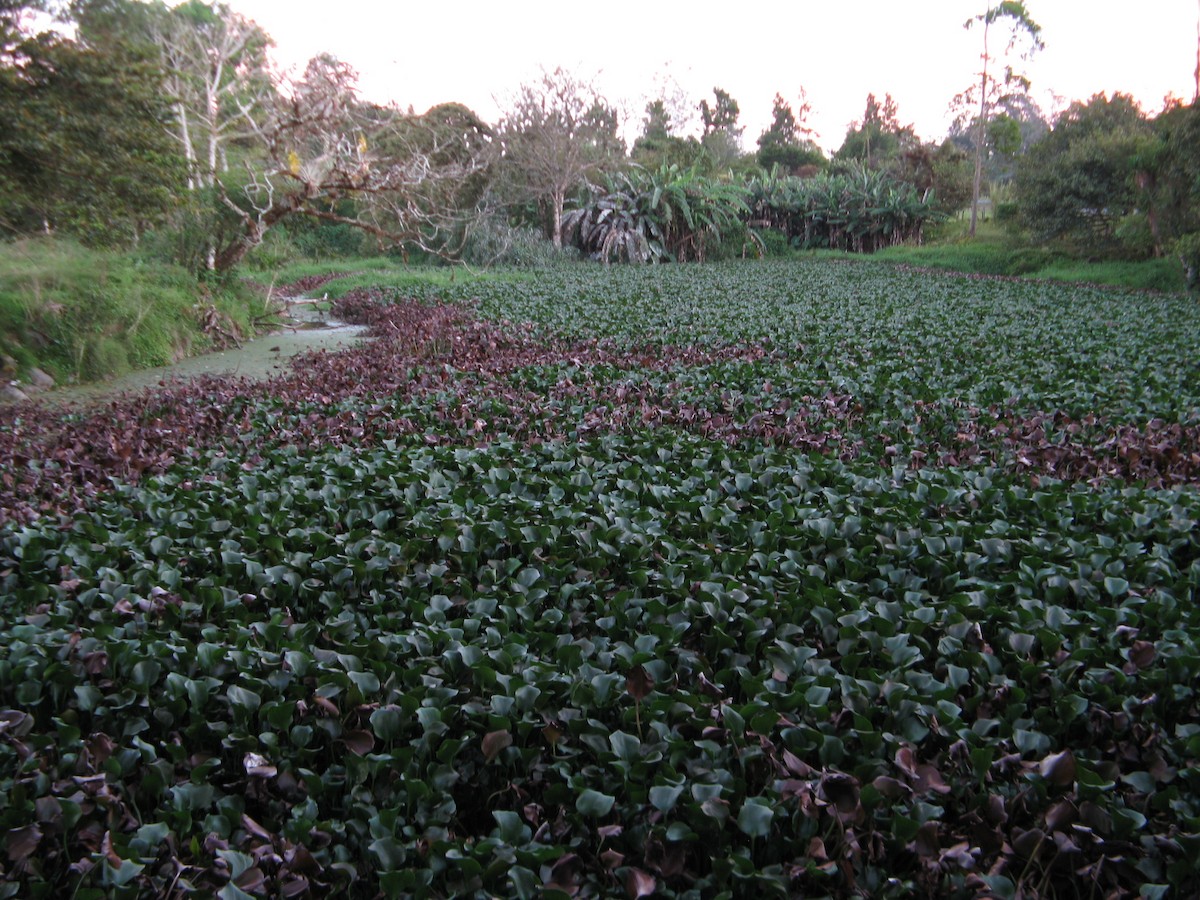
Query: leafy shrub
{"x": 1187, "y": 248}
{"x": 775, "y": 243}
{"x": 497, "y": 242}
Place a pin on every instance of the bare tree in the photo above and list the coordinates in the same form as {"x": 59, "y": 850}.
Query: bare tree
{"x": 557, "y": 132}
{"x": 215, "y": 61}
{"x": 406, "y": 173}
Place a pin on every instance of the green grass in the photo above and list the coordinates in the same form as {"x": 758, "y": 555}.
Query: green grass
{"x": 994, "y": 251}
{"x": 387, "y": 273}
{"x": 85, "y": 315}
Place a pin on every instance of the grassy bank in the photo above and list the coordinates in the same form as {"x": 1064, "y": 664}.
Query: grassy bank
{"x": 346, "y": 275}
{"x": 993, "y": 251}
{"x": 84, "y": 315}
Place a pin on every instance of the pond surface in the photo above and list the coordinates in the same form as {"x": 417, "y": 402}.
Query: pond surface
{"x": 305, "y": 328}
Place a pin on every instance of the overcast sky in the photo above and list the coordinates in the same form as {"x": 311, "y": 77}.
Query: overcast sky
{"x": 477, "y": 52}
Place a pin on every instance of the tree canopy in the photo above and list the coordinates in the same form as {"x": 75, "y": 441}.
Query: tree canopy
{"x": 788, "y": 142}
{"x": 84, "y": 148}
{"x": 558, "y": 131}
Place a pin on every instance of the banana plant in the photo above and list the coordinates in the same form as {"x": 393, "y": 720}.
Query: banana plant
{"x": 859, "y": 209}
{"x": 667, "y": 214}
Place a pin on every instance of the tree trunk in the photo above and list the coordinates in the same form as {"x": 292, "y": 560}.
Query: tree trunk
{"x": 254, "y": 229}
{"x": 557, "y": 202}
{"x": 185, "y": 138}
{"x": 980, "y": 134}
{"x": 1145, "y": 183}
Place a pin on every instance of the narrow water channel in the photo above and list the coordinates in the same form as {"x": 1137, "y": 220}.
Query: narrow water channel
{"x": 305, "y": 327}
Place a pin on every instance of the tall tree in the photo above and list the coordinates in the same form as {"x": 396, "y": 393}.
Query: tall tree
{"x": 558, "y": 132}
{"x": 788, "y": 142}
{"x": 658, "y": 145}
{"x": 83, "y": 142}
{"x": 1020, "y": 26}
{"x": 1016, "y": 123}
{"x": 657, "y": 124}
{"x": 218, "y": 78}
{"x": 1079, "y": 183}
{"x": 878, "y": 138}
{"x": 722, "y": 136}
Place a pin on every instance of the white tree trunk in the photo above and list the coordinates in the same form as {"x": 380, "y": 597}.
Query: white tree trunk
{"x": 557, "y": 201}
{"x": 980, "y": 133}
{"x": 185, "y": 138}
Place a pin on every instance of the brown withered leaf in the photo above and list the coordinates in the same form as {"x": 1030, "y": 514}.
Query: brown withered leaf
{"x": 890, "y": 788}
{"x": 841, "y": 791}
{"x": 1142, "y": 654}
{"x": 1029, "y": 843}
{"x": 906, "y": 760}
{"x": 639, "y": 883}
{"x": 817, "y": 851}
{"x": 1059, "y": 768}
{"x": 258, "y": 766}
{"x": 22, "y": 842}
{"x": 294, "y": 886}
{"x": 708, "y": 688}
{"x": 255, "y": 829}
{"x": 1061, "y": 815}
{"x": 360, "y": 743}
{"x": 639, "y": 683}
{"x": 926, "y": 842}
{"x": 48, "y": 809}
{"x": 930, "y": 779}
{"x": 252, "y": 880}
{"x": 564, "y": 874}
{"x": 796, "y": 765}
{"x": 494, "y": 742}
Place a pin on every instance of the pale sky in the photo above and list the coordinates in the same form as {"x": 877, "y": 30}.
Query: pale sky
{"x": 477, "y": 52}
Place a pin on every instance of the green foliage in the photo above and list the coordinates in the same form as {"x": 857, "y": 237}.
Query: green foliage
{"x": 425, "y": 283}
{"x": 497, "y": 242}
{"x": 787, "y": 143}
{"x": 656, "y": 216}
{"x": 1187, "y": 248}
{"x": 1077, "y": 184}
{"x": 85, "y": 315}
{"x": 460, "y": 664}
{"x": 860, "y": 210}
{"x": 1167, "y": 174}
{"x": 84, "y": 150}
{"x": 558, "y": 132}
{"x": 993, "y": 251}
{"x": 1002, "y": 149}
{"x": 878, "y": 138}
{"x": 722, "y": 115}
